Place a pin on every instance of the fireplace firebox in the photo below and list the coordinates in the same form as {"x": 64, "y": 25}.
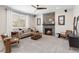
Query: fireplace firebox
{"x": 48, "y": 31}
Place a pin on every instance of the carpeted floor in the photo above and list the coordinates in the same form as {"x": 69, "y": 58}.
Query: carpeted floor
{"x": 47, "y": 44}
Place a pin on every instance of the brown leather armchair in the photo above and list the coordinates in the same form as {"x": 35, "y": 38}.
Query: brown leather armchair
{"x": 9, "y": 41}
{"x": 65, "y": 34}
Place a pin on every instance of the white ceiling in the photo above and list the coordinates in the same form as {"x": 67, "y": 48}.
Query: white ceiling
{"x": 32, "y": 10}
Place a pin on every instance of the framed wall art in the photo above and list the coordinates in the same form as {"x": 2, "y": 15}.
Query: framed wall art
{"x": 38, "y": 21}
{"x": 61, "y": 20}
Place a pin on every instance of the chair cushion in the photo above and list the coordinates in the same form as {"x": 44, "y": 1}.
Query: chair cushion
{"x": 14, "y": 40}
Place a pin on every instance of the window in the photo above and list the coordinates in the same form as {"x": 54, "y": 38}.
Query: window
{"x": 18, "y": 21}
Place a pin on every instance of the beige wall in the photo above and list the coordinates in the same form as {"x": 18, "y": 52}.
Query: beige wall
{"x": 31, "y": 21}
{"x": 76, "y": 10}
{"x": 39, "y": 27}
{"x": 3, "y": 20}
{"x": 68, "y": 21}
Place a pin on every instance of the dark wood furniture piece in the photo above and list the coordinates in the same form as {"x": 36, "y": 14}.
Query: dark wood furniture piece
{"x": 15, "y": 34}
{"x": 15, "y": 41}
{"x": 73, "y": 41}
{"x": 9, "y": 41}
{"x": 36, "y": 36}
{"x": 7, "y": 44}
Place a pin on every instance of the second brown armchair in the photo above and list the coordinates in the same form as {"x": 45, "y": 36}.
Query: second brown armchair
{"x": 65, "y": 34}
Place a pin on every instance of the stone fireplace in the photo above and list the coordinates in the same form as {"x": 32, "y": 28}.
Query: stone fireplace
{"x": 49, "y": 29}
{"x": 49, "y": 23}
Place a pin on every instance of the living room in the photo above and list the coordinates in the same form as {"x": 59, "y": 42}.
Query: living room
{"x": 47, "y": 20}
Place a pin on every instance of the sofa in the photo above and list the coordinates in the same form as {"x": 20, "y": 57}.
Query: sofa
{"x": 73, "y": 41}
{"x": 20, "y": 33}
{"x": 23, "y": 33}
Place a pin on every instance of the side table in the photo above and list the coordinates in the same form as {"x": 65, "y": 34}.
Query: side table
{"x": 7, "y": 45}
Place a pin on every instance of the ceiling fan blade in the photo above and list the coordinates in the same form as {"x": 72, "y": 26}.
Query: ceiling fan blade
{"x": 41, "y": 8}
{"x": 38, "y": 7}
{"x": 34, "y": 6}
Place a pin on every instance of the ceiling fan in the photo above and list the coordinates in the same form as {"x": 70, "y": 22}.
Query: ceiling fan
{"x": 38, "y": 7}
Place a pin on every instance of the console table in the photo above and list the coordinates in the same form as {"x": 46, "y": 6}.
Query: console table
{"x": 73, "y": 41}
